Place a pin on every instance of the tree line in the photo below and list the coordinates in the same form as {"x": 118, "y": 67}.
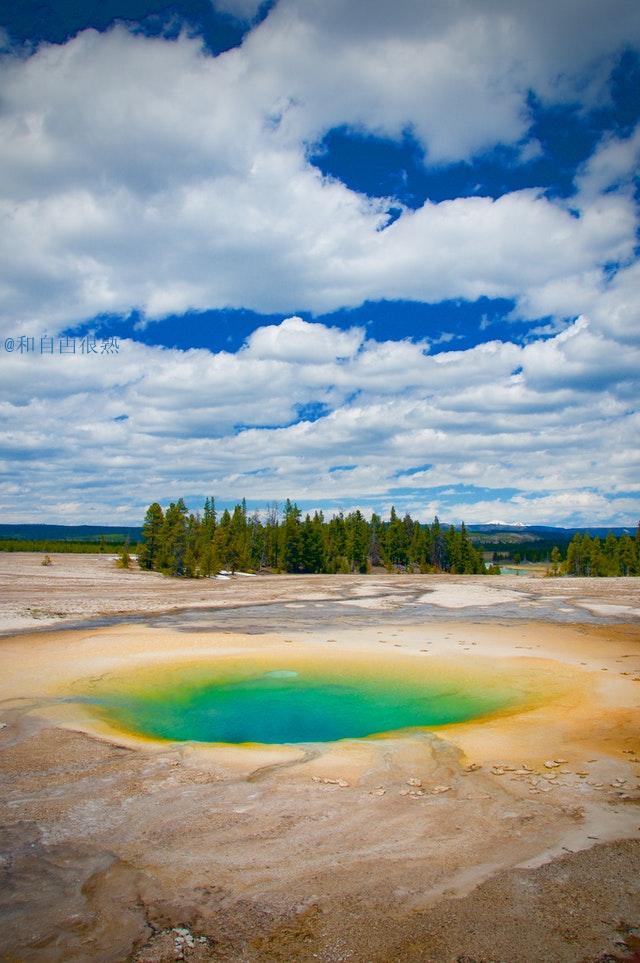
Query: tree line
{"x": 177, "y": 542}
{"x": 92, "y": 547}
{"x": 613, "y": 556}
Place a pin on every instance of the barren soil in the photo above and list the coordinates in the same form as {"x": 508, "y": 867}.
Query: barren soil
{"x": 514, "y": 838}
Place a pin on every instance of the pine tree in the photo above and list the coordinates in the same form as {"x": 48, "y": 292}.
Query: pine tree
{"x": 439, "y": 558}
{"x": 627, "y": 555}
{"x": 124, "y": 561}
{"x": 271, "y": 551}
{"x": 455, "y": 563}
{"x": 291, "y": 538}
{"x": 151, "y": 533}
{"x": 173, "y": 539}
{"x": 374, "y": 540}
{"x": 238, "y": 544}
{"x": 177, "y": 543}
{"x": 312, "y": 545}
{"x": 574, "y": 555}
{"x": 397, "y": 540}
{"x": 191, "y": 553}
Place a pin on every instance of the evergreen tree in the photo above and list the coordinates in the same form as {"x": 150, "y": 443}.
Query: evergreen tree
{"x": 238, "y": 543}
{"x": 556, "y": 558}
{"x": 627, "y": 555}
{"x": 173, "y": 539}
{"x": 610, "y": 557}
{"x": 574, "y": 555}
{"x": 357, "y": 541}
{"x": 179, "y": 543}
{"x": 439, "y": 558}
{"x": 312, "y": 545}
{"x": 192, "y": 548}
{"x": 124, "y": 561}
{"x": 374, "y": 539}
{"x": 397, "y": 540}
{"x": 221, "y": 541}
{"x": 291, "y": 538}
{"x": 151, "y": 533}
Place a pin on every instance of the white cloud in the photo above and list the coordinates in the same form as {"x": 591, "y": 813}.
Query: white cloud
{"x": 243, "y": 10}
{"x": 615, "y": 163}
{"x": 570, "y": 508}
{"x": 200, "y": 422}
{"x": 297, "y": 340}
{"x": 457, "y": 73}
{"x": 141, "y": 173}
{"x": 144, "y": 174}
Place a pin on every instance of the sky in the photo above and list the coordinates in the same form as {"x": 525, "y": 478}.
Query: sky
{"x": 357, "y": 254}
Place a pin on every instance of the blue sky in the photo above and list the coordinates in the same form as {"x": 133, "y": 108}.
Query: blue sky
{"x": 354, "y": 254}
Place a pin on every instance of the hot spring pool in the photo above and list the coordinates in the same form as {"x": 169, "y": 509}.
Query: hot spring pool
{"x": 295, "y": 701}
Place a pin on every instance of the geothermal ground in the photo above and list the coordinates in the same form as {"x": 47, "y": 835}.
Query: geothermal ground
{"x": 514, "y": 837}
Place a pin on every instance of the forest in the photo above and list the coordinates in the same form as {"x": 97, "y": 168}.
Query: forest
{"x": 177, "y": 542}
{"x": 611, "y": 556}
{"x": 94, "y": 546}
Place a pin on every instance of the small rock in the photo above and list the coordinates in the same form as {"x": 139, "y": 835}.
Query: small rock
{"x": 378, "y": 792}
{"x": 342, "y": 783}
{"x": 439, "y": 789}
{"x": 414, "y": 781}
{"x": 551, "y": 764}
{"x": 473, "y": 767}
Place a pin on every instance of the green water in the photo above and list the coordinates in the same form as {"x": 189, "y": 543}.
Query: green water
{"x": 292, "y": 705}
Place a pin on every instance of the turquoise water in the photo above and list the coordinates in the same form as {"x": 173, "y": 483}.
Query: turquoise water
{"x": 287, "y": 705}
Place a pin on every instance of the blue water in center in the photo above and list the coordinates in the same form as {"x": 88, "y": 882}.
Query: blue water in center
{"x": 285, "y": 705}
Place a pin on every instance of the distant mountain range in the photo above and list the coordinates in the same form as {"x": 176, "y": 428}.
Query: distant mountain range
{"x": 70, "y": 533}
{"x": 493, "y": 531}
{"x": 546, "y": 532}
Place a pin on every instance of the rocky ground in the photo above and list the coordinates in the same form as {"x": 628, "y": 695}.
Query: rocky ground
{"x": 514, "y": 839}
{"x": 78, "y": 588}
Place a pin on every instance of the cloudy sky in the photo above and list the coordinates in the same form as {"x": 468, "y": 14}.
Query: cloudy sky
{"x": 354, "y": 252}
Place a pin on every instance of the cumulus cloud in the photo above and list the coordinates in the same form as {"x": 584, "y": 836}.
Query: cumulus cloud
{"x": 614, "y": 164}
{"x": 298, "y": 340}
{"x": 459, "y": 74}
{"x": 498, "y": 415}
{"x": 141, "y": 173}
{"x": 144, "y": 174}
{"x": 243, "y": 10}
